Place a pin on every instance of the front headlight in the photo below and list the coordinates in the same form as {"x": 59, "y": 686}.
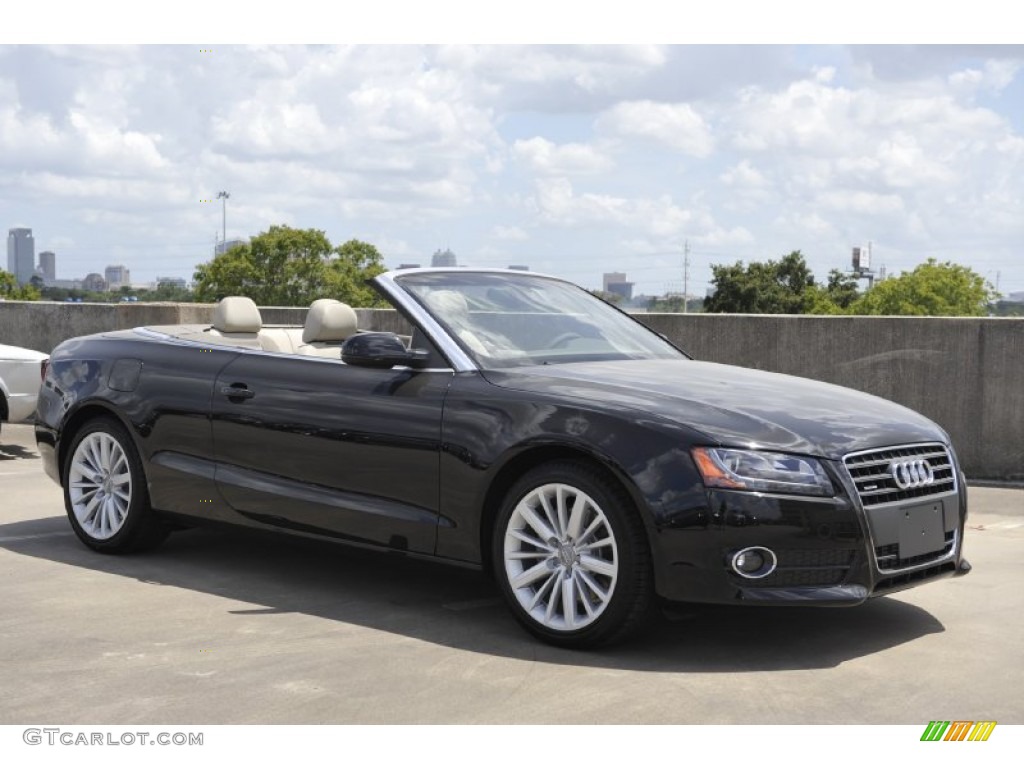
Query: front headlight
{"x": 761, "y": 471}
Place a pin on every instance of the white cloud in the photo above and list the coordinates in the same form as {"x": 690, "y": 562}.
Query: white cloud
{"x": 556, "y": 203}
{"x": 276, "y": 130}
{"x": 744, "y": 175}
{"x": 510, "y": 233}
{"x": 546, "y": 157}
{"x": 677, "y": 126}
{"x": 84, "y": 143}
{"x": 994, "y": 76}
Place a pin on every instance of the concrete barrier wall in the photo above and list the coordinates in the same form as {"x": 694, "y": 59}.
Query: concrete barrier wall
{"x": 967, "y": 374}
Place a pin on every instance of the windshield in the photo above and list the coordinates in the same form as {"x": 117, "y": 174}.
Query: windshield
{"x": 504, "y": 320}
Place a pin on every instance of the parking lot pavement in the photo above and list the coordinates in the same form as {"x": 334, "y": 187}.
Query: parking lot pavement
{"x": 217, "y": 627}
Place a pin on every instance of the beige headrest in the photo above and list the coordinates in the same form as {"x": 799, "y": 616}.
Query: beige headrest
{"x": 237, "y": 314}
{"x": 329, "y": 321}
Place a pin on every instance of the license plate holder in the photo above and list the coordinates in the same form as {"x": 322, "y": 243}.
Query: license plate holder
{"x": 921, "y": 530}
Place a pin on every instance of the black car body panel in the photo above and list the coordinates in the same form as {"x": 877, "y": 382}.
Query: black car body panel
{"x": 418, "y": 459}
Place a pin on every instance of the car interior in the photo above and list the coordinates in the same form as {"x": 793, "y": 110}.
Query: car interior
{"x": 237, "y": 322}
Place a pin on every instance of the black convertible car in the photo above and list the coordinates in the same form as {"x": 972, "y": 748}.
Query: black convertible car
{"x": 522, "y": 426}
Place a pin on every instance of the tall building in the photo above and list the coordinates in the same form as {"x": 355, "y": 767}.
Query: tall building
{"x": 21, "y": 254}
{"x": 444, "y": 258}
{"x": 615, "y": 282}
{"x": 116, "y": 276}
{"x": 48, "y": 265}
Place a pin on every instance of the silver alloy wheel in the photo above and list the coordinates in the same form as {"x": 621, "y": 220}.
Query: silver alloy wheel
{"x": 561, "y": 558}
{"x": 100, "y": 485}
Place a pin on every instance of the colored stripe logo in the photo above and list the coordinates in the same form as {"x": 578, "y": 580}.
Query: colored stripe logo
{"x": 958, "y": 730}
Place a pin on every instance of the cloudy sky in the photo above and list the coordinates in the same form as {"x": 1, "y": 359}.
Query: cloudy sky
{"x": 573, "y": 159}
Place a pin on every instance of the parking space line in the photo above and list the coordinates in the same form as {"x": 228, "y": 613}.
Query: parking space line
{"x": 27, "y": 536}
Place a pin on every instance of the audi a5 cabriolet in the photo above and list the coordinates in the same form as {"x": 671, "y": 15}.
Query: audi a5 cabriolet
{"x": 522, "y": 426}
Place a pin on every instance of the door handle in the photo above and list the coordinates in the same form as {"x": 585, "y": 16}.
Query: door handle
{"x": 239, "y": 391}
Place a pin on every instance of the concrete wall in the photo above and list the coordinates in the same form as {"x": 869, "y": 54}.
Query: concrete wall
{"x": 967, "y": 374}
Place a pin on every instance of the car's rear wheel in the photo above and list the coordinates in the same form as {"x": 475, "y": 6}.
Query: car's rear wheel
{"x": 105, "y": 491}
{"x": 572, "y": 558}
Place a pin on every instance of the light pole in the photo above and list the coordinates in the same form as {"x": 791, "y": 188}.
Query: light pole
{"x": 224, "y": 206}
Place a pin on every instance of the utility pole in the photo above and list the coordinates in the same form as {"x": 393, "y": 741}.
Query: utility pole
{"x": 686, "y": 273}
{"x": 224, "y": 206}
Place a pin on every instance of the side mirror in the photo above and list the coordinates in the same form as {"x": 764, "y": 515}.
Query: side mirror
{"x": 374, "y": 349}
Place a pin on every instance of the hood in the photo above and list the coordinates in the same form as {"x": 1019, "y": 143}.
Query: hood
{"x": 733, "y": 406}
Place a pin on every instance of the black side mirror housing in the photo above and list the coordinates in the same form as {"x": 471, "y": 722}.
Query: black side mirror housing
{"x": 379, "y": 349}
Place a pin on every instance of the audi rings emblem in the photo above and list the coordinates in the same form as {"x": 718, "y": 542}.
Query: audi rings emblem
{"x": 912, "y": 474}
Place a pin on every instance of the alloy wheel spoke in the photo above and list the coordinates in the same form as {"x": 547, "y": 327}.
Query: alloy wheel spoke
{"x": 596, "y": 523}
{"x": 575, "y": 523}
{"x": 592, "y": 585}
{"x": 526, "y": 555}
{"x": 556, "y": 588}
{"x": 91, "y": 508}
{"x": 530, "y": 575}
{"x": 594, "y": 545}
{"x": 533, "y": 541}
{"x": 569, "y": 601}
{"x": 538, "y": 596}
{"x": 534, "y": 521}
{"x": 562, "y": 512}
{"x": 550, "y": 515}
{"x": 597, "y": 565}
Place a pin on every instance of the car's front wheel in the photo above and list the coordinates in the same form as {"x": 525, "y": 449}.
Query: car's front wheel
{"x": 571, "y": 556}
{"x": 105, "y": 491}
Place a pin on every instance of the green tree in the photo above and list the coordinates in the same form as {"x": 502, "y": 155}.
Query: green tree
{"x": 291, "y": 267}
{"x": 11, "y": 291}
{"x": 834, "y": 298}
{"x": 770, "y": 287}
{"x": 357, "y": 262}
{"x": 932, "y": 288}
{"x": 168, "y": 291}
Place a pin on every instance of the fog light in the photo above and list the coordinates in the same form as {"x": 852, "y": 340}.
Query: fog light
{"x": 750, "y": 562}
{"x": 754, "y": 562}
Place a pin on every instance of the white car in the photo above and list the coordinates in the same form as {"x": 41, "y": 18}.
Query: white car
{"x": 20, "y": 374}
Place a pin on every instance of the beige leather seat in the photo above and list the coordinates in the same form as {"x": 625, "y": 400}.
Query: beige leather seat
{"x": 237, "y": 318}
{"x": 328, "y": 324}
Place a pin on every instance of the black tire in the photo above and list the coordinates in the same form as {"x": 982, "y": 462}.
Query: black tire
{"x": 105, "y": 491}
{"x": 579, "y": 578}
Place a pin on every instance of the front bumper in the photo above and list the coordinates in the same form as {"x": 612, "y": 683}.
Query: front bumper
{"x": 20, "y": 406}
{"x": 829, "y": 551}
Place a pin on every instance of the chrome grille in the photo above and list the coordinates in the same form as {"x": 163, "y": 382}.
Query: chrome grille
{"x": 870, "y": 472}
